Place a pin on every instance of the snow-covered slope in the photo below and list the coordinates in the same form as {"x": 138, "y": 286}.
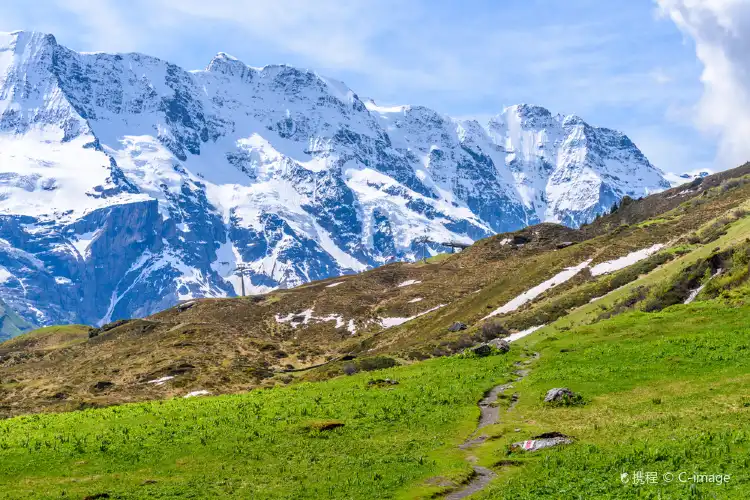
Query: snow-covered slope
{"x": 128, "y": 183}
{"x": 678, "y": 179}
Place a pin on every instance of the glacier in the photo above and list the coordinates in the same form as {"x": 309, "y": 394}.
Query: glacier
{"x": 128, "y": 184}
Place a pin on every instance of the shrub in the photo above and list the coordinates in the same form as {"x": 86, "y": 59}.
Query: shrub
{"x": 731, "y": 184}
{"x": 693, "y": 239}
{"x": 260, "y": 370}
{"x": 740, "y": 259}
{"x": 417, "y": 355}
{"x": 95, "y": 332}
{"x": 370, "y": 364}
{"x": 471, "y": 354}
{"x": 492, "y": 329}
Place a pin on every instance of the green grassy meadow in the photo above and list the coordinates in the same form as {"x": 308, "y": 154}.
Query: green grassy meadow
{"x": 263, "y": 444}
{"x": 661, "y": 394}
{"x": 664, "y": 392}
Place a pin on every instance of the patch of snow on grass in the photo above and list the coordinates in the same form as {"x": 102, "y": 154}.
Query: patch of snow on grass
{"x": 160, "y": 381}
{"x": 535, "y": 292}
{"x": 505, "y": 241}
{"x": 409, "y": 283}
{"x": 197, "y": 393}
{"x": 352, "y": 327}
{"x": 633, "y": 257}
{"x": 418, "y": 299}
{"x": 694, "y": 293}
{"x": 305, "y": 317}
{"x": 332, "y": 285}
{"x": 389, "y": 322}
{"x": 332, "y": 317}
{"x": 522, "y": 334}
{"x": 296, "y": 319}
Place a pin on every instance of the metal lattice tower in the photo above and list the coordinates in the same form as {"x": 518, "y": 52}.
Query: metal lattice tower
{"x": 242, "y": 270}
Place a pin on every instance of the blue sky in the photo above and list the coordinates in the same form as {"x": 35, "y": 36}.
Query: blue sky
{"x": 616, "y": 63}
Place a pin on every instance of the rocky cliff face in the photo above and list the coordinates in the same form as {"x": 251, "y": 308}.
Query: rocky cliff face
{"x": 128, "y": 183}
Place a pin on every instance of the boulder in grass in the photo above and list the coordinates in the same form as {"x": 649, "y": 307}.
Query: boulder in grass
{"x": 482, "y": 350}
{"x": 546, "y": 440}
{"x": 457, "y": 327}
{"x": 562, "y": 395}
{"x": 501, "y": 345}
{"x": 382, "y": 382}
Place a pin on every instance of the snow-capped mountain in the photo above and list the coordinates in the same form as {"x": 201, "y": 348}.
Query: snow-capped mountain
{"x": 678, "y": 179}
{"x": 128, "y": 183}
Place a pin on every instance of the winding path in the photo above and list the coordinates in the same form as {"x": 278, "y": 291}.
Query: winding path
{"x": 489, "y": 415}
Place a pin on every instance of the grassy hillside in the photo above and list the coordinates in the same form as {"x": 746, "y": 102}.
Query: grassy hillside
{"x": 48, "y": 338}
{"x": 660, "y": 393}
{"x": 233, "y": 345}
{"x": 311, "y": 410}
{"x": 279, "y": 443}
{"x": 11, "y": 324}
{"x": 664, "y": 392}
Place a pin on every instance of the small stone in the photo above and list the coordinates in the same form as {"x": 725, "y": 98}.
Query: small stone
{"x": 457, "y": 327}
{"x": 102, "y": 385}
{"x": 382, "y": 382}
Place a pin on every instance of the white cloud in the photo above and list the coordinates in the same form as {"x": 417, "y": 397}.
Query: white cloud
{"x": 327, "y": 32}
{"x": 660, "y": 76}
{"x": 102, "y": 23}
{"x": 398, "y": 48}
{"x": 721, "y": 31}
{"x": 672, "y": 149}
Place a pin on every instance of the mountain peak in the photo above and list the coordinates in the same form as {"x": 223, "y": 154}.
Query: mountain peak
{"x": 527, "y": 110}
{"x": 224, "y": 55}
{"x": 21, "y": 41}
{"x": 227, "y": 64}
{"x": 572, "y": 120}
